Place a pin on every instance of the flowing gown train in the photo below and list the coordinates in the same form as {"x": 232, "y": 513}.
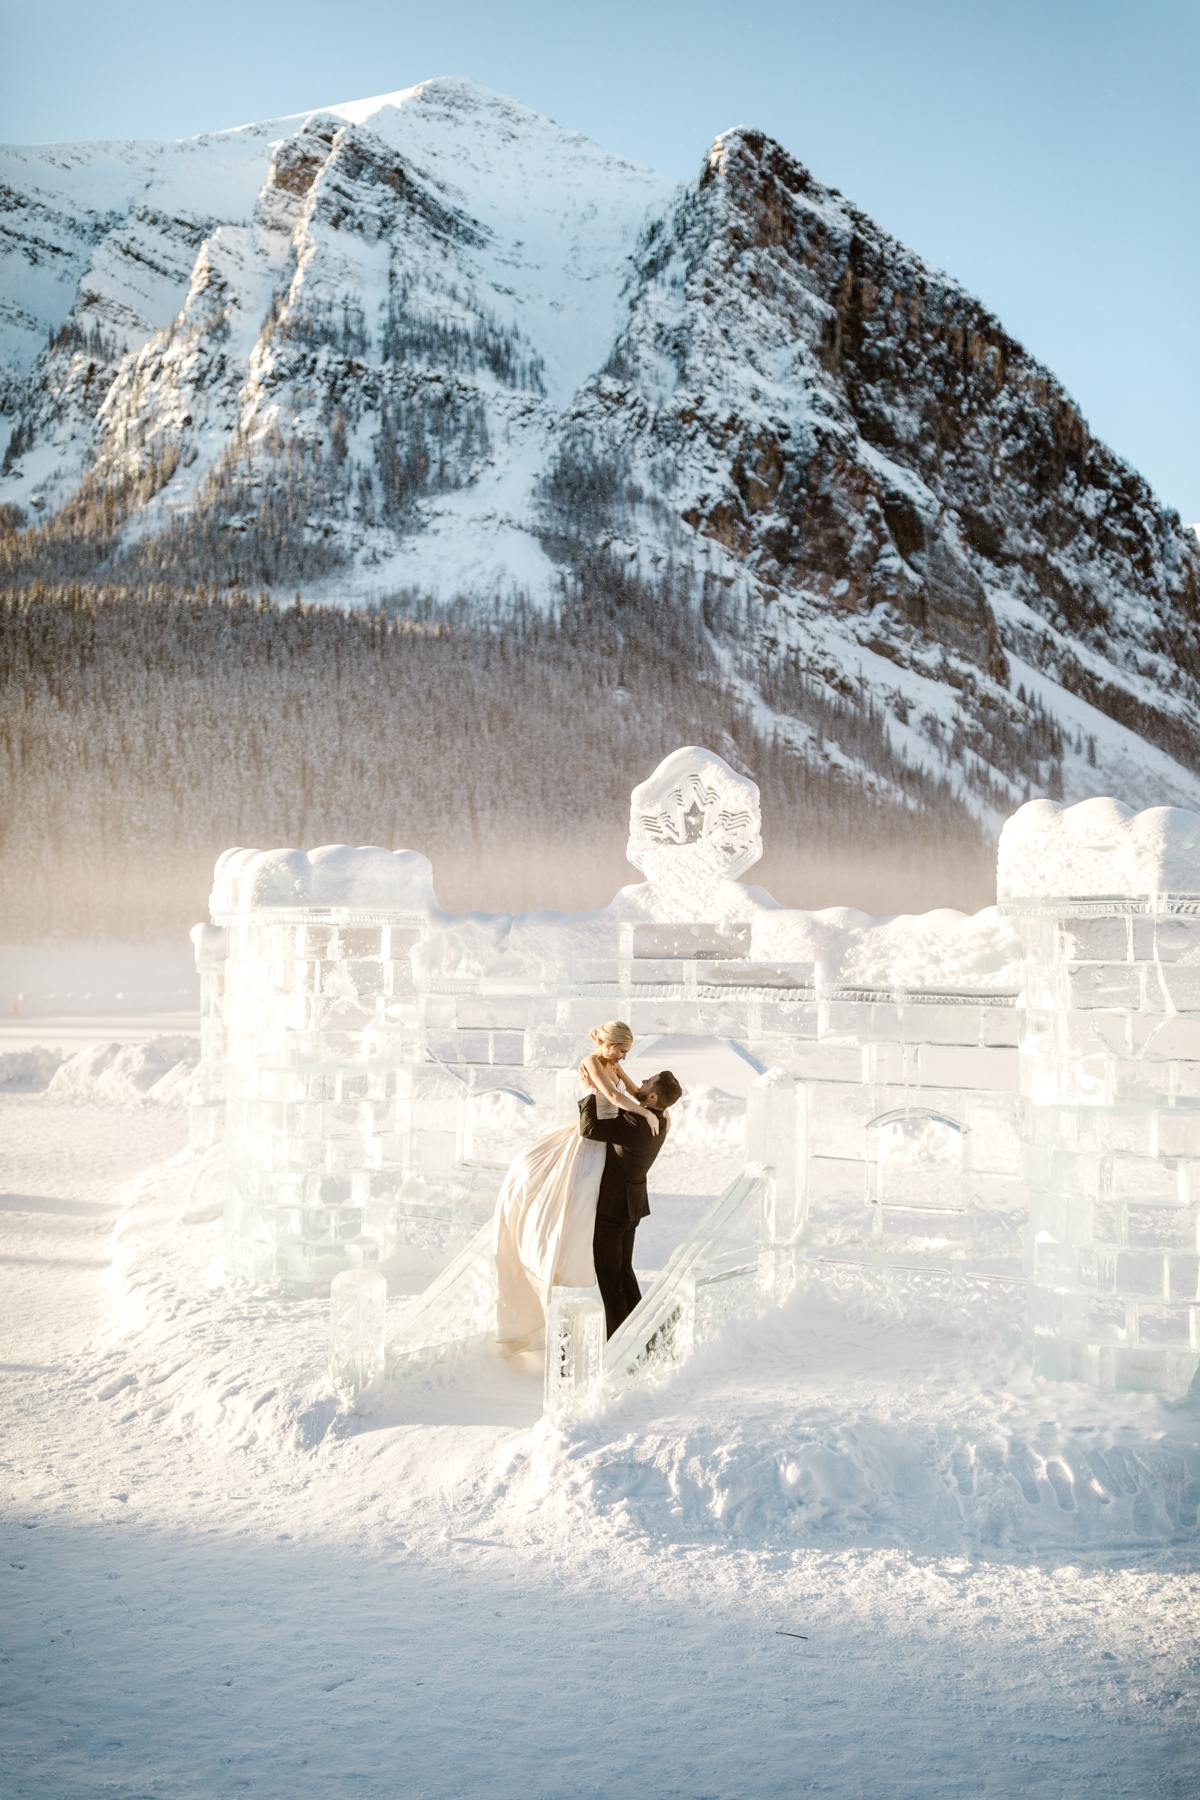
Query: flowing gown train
{"x": 542, "y": 1228}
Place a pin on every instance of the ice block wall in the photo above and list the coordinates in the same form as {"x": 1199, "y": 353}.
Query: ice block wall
{"x": 1109, "y": 907}
{"x": 371, "y": 1063}
{"x": 318, "y": 1094}
{"x": 911, "y": 1181}
{"x": 312, "y": 1056}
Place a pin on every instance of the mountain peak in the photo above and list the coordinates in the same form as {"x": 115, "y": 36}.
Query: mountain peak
{"x": 744, "y": 152}
{"x": 429, "y": 342}
{"x": 449, "y": 92}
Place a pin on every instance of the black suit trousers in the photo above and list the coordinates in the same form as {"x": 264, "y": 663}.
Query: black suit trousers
{"x": 612, "y": 1252}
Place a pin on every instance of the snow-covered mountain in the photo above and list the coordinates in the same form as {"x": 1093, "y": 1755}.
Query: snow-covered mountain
{"x": 432, "y": 345}
{"x": 398, "y": 298}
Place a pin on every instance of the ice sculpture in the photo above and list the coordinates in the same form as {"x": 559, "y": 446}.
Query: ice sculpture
{"x": 694, "y": 827}
{"x": 370, "y": 1063}
{"x": 1109, "y": 904}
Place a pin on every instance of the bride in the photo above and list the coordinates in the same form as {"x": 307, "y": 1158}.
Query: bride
{"x": 546, "y": 1211}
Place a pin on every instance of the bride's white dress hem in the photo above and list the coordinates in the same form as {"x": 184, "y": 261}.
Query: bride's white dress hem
{"x": 542, "y": 1230}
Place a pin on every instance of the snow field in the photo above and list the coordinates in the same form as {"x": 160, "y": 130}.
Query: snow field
{"x": 218, "y": 1579}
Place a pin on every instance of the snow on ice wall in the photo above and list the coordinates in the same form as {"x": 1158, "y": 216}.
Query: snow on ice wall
{"x": 371, "y": 1063}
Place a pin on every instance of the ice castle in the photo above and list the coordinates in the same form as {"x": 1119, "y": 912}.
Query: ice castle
{"x": 370, "y": 1063}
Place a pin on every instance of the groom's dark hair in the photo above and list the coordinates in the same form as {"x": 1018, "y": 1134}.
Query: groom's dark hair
{"x": 666, "y": 1087}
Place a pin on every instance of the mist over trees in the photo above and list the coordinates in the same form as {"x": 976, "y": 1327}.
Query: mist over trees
{"x": 149, "y": 720}
{"x": 145, "y": 729}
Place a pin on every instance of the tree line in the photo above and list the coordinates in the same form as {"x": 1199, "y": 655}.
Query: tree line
{"x": 143, "y": 729}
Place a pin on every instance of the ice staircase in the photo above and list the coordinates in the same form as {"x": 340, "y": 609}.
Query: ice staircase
{"x": 722, "y": 1272}
{"x": 457, "y": 1309}
{"x": 726, "y": 1269}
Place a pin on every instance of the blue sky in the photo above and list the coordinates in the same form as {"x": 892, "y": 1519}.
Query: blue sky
{"x": 1045, "y": 153}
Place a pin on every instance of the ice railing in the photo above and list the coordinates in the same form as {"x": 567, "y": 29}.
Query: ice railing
{"x": 723, "y": 1272}
{"x": 456, "y": 1309}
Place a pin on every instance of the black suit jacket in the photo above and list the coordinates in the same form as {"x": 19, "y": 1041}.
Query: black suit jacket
{"x": 632, "y": 1148}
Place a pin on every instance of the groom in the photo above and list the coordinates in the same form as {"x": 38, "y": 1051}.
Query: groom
{"x": 632, "y": 1147}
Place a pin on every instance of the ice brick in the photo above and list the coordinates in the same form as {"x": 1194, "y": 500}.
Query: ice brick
{"x": 1140, "y": 1273}
{"x": 1103, "y": 985}
{"x": 1182, "y": 1280}
{"x": 928, "y": 1022}
{"x": 1093, "y": 939}
{"x": 1173, "y": 1327}
{"x": 1181, "y": 983}
{"x": 1160, "y": 1227}
{"x": 967, "y": 1066}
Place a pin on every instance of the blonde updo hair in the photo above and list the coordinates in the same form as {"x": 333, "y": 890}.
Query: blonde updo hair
{"x": 616, "y": 1033}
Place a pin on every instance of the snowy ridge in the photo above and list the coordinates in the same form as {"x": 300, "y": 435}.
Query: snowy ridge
{"x": 483, "y": 221}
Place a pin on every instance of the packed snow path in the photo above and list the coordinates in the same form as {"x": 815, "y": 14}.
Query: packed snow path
{"x": 216, "y": 1582}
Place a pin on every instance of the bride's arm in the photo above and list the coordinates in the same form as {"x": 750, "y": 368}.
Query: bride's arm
{"x": 601, "y": 1076}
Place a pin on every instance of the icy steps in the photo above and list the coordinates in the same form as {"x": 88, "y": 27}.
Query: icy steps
{"x": 727, "y": 1268}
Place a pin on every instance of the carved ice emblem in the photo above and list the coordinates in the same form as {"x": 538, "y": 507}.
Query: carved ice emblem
{"x": 692, "y": 824}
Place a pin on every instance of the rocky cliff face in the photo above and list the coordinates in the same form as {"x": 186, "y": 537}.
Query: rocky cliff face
{"x": 900, "y": 478}
{"x": 433, "y": 345}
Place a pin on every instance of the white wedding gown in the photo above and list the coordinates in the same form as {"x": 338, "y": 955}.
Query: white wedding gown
{"x": 543, "y": 1224}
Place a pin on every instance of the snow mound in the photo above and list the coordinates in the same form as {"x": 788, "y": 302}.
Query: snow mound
{"x": 159, "y": 1071}
{"x": 944, "y": 948}
{"x": 939, "y": 949}
{"x": 1097, "y": 847}
{"x": 810, "y": 1427}
{"x": 27, "y": 1071}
